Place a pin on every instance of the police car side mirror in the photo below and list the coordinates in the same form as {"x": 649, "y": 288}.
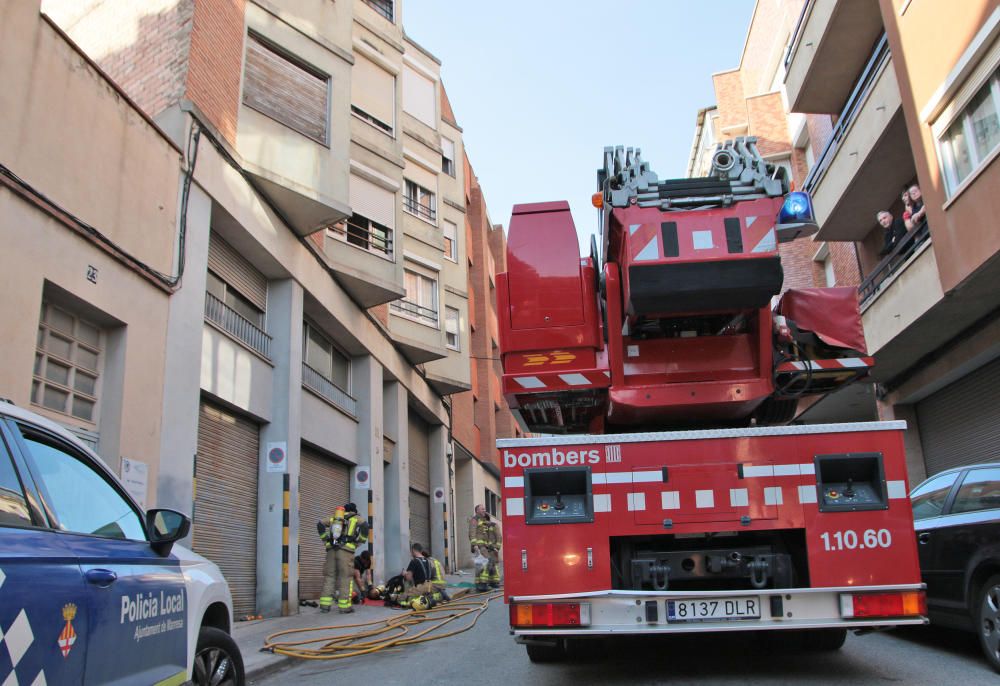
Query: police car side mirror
{"x": 165, "y": 527}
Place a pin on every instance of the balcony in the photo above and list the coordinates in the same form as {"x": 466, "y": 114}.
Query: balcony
{"x": 415, "y": 330}
{"x": 360, "y": 252}
{"x": 382, "y": 7}
{"x": 329, "y": 391}
{"x": 867, "y": 155}
{"x": 424, "y": 314}
{"x": 892, "y": 263}
{"x": 237, "y": 326}
{"x": 827, "y": 51}
{"x": 415, "y": 207}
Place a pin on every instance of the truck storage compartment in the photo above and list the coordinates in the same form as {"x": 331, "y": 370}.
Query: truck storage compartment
{"x": 558, "y": 495}
{"x": 851, "y": 482}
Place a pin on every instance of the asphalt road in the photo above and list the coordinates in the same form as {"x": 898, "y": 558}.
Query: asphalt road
{"x": 488, "y": 656}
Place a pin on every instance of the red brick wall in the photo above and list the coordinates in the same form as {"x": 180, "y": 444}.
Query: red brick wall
{"x": 769, "y": 123}
{"x": 730, "y": 100}
{"x": 142, "y": 46}
{"x": 216, "y": 63}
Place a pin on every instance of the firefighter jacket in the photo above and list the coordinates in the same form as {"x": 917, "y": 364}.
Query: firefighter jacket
{"x": 437, "y": 573}
{"x": 484, "y": 532}
{"x": 352, "y": 533}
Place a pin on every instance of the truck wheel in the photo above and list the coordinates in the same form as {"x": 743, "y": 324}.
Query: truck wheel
{"x": 544, "y": 653}
{"x": 988, "y": 624}
{"x": 824, "y": 639}
{"x": 217, "y": 660}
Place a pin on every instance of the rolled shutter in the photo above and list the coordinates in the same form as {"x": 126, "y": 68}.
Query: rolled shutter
{"x": 420, "y": 519}
{"x": 418, "y": 96}
{"x": 420, "y": 475}
{"x": 373, "y": 90}
{"x": 374, "y": 202}
{"x": 236, "y": 271}
{"x": 323, "y": 485}
{"x": 421, "y": 175}
{"x": 224, "y": 526}
{"x": 960, "y": 424}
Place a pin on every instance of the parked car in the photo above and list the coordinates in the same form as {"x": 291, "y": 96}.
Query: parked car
{"x": 957, "y": 518}
{"x": 93, "y": 590}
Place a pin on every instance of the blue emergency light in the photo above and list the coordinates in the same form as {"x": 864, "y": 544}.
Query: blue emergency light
{"x": 796, "y": 217}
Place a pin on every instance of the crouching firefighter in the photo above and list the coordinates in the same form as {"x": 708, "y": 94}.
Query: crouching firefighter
{"x": 485, "y": 539}
{"x": 341, "y": 535}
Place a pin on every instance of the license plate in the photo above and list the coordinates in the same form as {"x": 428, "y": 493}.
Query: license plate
{"x": 699, "y": 609}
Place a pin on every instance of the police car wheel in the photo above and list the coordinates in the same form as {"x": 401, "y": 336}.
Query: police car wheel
{"x": 217, "y": 661}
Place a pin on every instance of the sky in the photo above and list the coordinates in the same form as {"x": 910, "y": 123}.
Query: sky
{"x": 540, "y": 88}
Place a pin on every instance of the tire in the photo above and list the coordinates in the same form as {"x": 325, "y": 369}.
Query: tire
{"x": 217, "y": 660}
{"x": 543, "y": 653}
{"x": 988, "y": 621}
{"x": 824, "y": 640}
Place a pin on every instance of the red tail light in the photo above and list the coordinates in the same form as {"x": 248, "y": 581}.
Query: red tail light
{"x": 549, "y": 614}
{"x": 868, "y": 605}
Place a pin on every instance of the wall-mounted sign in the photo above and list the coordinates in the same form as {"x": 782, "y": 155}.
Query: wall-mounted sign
{"x": 362, "y": 478}
{"x": 135, "y": 479}
{"x": 277, "y": 458}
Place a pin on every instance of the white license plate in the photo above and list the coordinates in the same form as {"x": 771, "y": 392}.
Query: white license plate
{"x": 715, "y": 608}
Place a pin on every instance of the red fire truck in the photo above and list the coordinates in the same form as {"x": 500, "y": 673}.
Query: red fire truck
{"x": 669, "y": 494}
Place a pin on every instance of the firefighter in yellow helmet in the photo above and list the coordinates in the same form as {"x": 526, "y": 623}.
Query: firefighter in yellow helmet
{"x": 341, "y": 535}
{"x": 437, "y": 579}
{"x": 485, "y": 539}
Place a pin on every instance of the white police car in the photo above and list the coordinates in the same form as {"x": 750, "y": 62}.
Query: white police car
{"x": 92, "y": 591}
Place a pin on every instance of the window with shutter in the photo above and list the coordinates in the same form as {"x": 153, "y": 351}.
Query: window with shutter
{"x": 373, "y": 94}
{"x": 452, "y": 336}
{"x": 418, "y": 96}
{"x": 450, "y": 232}
{"x": 286, "y": 90}
{"x": 448, "y": 156}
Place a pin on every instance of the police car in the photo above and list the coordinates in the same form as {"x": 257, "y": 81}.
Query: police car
{"x": 92, "y": 590}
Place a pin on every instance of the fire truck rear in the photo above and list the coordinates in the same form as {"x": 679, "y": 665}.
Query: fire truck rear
{"x": 669, "y": 494}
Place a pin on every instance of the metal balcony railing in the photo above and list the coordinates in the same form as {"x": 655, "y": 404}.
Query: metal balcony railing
{"x": 412, "y": 308}
{"x": 880, "y": 56}
{"x": 892, "y": 262}
{"x": 793, "y": 43}
{"x": 383, "y": 7}
{"x": 315, "y": 381}
{"x": 413, "y": 206}
{"x": 241, "y": 328}
{"x": 364, "y": 236}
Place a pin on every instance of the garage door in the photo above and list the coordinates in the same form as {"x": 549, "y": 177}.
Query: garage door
{"x": 420, "y": 482}
{"x": 323, "y": 485}
{"x": 960, "y": 424}
{"x": 225, "y": 509}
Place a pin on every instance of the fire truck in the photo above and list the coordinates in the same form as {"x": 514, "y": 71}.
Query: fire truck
{"x": 664, "y": 489}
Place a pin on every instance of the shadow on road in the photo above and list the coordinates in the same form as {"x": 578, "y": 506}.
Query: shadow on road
{"x": 953, "y": 641}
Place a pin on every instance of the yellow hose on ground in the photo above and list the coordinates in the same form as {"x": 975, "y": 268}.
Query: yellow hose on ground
{"x": 401, "y": 630}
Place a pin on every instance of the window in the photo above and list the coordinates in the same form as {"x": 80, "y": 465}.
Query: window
{"x": 232, "y": 299}
{"x": 421, "y": 297}
{"x": 13, "y": 505}
{"x": 383, "y": 7}
{"x": 492, "y": 503}
{"x": 420, "y": 201}
{"x": 972, "y": 136}
{"x": 979, "y": 491}
{"x": 928, "y": 498}
{"x": 364, "y": 233}
{"x": 450, "y": 231}
{"x": 67, "y": 364}
{"x": 320, "y": 354}
{"x": 418, "y": 96}
{"x": 452, "y": 336}
{"x": 82, "y": 500}
{"x": 286, "y": 90}
{"x": 236, "y": 295}
{"x": 373, "y": 94}
{"x": 831, "y": 276}
{"x": 448, "y": 156}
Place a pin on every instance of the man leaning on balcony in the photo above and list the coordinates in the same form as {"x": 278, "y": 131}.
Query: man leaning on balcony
{"x": 895, "y": 230}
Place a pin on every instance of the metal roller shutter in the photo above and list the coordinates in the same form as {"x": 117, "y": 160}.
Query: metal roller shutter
{"x": 420, "y": 472}
{"x": 960, "y": 424}
{"x": 372, "y": 201}
{"x": 323, "y": 485}
{"x": 234, "y": 269}
{"x": 420, "y": 519}
{"x": 225, "y": 509}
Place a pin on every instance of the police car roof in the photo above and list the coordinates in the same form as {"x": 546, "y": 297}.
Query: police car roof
{"x": 9, "y": 409}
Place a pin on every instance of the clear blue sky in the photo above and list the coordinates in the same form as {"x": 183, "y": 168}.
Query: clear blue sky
{"x": 539, "y": 88}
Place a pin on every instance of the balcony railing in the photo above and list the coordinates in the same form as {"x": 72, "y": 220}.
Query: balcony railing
{"x": 383, "y": 7}
{"x": 412, "y": 308}
{"x": 892, "y": 262}
{"x": 232, "y": 322}
{"x": 880, "y": 56}
{"x": 793, "y": 43}
{"x": 363, "y": 236}
{"x": 413, "y": 206}
{"x": 315, "y": 381}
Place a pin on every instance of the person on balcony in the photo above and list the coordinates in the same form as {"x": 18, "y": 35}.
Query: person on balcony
{"x": 895, "y": 230}
{"x": 918, "y": 213}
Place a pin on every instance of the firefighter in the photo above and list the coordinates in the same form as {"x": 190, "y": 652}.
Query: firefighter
{"x": 417, "y": 576}
{"x": 341, "y": 537}
{"x": 485, "y": 539}
{"x": 437, "y": 578}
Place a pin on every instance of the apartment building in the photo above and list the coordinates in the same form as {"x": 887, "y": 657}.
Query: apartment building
{"x": 914, "y": 89}
{"x": 752, "y": 100}
{"x": 318, "y": 327}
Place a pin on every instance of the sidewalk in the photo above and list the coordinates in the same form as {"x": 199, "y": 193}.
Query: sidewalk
{"x": 250, "y": 636}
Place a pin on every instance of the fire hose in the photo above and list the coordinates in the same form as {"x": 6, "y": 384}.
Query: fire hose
{"x": 401, "y": 630}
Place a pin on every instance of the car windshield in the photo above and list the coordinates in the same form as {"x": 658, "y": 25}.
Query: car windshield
{"x": 928, "y": 498}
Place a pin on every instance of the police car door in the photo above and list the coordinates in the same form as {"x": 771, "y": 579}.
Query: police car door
{"x": 41, "y": 589}
{"x": 136, "y": 598}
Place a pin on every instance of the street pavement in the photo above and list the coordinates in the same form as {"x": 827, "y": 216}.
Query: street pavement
{"x": 487, "y": 655}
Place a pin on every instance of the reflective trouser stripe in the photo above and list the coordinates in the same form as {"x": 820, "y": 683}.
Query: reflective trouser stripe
{"x": 325, "y": 601}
